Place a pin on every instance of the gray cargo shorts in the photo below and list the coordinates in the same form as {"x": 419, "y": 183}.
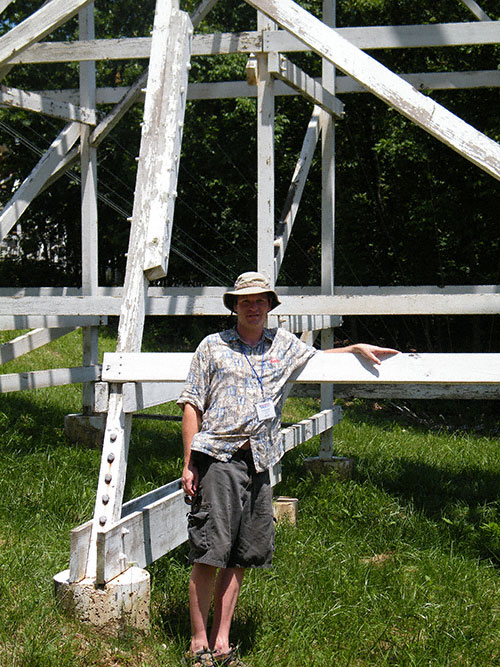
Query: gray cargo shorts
{"x": 231, "y": 521}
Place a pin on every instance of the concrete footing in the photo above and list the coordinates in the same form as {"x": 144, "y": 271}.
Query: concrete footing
{"x": 122, "y": 604}
{"x": 285, "y": 508}
{"x": 85, "y": 429}
{"x": 343, "y": 466}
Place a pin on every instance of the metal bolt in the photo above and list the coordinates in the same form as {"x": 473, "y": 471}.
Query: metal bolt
{"x": 113, "y": 437}
{"x": 108, "y": 478}
{"x": 111, "y": 457}
{"x": 102, "y": 520}
{"x": 105, "y": 499}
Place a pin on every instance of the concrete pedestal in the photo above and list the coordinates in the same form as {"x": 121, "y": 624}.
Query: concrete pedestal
{"x": 123, "y": 603}
{"x": 285, "y": 508}
{"x": 341, "y": 465}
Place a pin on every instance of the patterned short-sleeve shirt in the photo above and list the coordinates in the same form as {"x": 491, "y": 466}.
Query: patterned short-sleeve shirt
{"x": 228, "y": 378}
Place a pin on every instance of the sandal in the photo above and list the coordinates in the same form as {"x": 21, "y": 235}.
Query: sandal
{"x": 201, "y": 658}
{"x": 229, "y": 659}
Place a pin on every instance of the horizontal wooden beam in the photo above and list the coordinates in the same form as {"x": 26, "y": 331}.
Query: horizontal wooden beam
{"x": 38, "y": 103}
{"x": 342, "y": 368}
{"x": 364, "y": 37}
{"x": 39, "y": 24}
{"x": 48, "y": 378}
{"x": 17, "y": 322}
{"x": 390, "y": 304}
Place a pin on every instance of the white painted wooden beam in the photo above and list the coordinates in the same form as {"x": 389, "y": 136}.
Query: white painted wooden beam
{"x": 22, "y": 99}
{"x": 476, "y": 10}
{"x": 39, "y": 24}
{"x": 34, "y": 183}
{"x": 366, "y": 37}
{"x": 156, "y": 187}
{"x": 4, "y": 4}
{"x": 323, "y": 367}
{"x": 306, "y": 85}
{"x": 48, "y": 378}
{"x": 139, "y": 396}
{"x": 367, "y": 304}
{"x": 30, "y": 341}
{"x": 462, "y": 391}
{"x": 389, "y": 87}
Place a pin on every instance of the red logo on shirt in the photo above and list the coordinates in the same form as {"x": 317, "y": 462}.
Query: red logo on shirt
{"x": 274, "y": 361}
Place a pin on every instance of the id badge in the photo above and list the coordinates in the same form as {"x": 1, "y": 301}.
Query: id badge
{"x": 265, "y": 410}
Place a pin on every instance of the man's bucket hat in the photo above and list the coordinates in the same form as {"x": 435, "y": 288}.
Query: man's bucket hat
{"x": 250, "y": 282}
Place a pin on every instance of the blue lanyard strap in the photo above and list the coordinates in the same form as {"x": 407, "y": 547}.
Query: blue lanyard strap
{"x": 252, "y": 367}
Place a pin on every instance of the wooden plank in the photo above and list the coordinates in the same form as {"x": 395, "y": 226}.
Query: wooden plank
{"x": 476, "y": 10}
{"x": 462, "y": 391}
{"x": 33, "y": 184}
{"x": 49, "y": 378}
{"x": 300, "y": 323}
{"x": 307, "y": 86}
{"x": 162, "y": 137}
{"x": 15, "y": 323}
{"x": 159, "y": 524}
{"x": 23, "y": 99}
{"x": 332, "y": 368}
{"x": 391, "y": 304}
{"x": 265, "y": 161}
{"x": 402, "y": 369}
{"x": 4, "y": 4}
{"x": 396, "y": 37}
{"x": 79, "y": 547}
{"x": 39, "y": 24}
{"x": 364, "y": 37}
{"x": 139, "y": 396}
{"x": 30, "y": 341}
{"x": 389, "y": 87}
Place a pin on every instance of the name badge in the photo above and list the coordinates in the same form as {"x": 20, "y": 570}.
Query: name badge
{"x": 265, "y": 410}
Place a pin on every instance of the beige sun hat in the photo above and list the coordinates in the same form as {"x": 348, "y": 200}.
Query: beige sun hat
{"x": 250, "y": 282}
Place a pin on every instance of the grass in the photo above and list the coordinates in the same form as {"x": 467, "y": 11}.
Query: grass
{"x": 399, "y": 566}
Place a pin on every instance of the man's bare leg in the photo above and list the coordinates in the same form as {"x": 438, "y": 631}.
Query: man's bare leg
{"x": 201, "y": 591}
{"x": 227, "y": 589}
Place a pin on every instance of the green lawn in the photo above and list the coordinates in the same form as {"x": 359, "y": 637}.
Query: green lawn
{"x": 399, "y": 566}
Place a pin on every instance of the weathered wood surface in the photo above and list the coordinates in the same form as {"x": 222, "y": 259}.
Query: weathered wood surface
{"x": 14, "y": 323}
{"x": 156, "y": 523}
{"x": 23, "y": 99}
{"x": 324, "y": 367}
{"x": 162, "y": 136}
{"x": 30, "y": 341}
{"x": 39, "y": 24}
{"x": 37, "y": 179}
{"x": 307, "y": 86}
{"x": 390, "y": 304}
{"x": 48, "y": 378}
{"x": 364, "y": 37}
{"x": 389, "y": 87}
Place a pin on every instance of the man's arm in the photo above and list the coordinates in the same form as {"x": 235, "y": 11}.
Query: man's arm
{"x": 191, "y": 424}
{"x": 370, "y": 352}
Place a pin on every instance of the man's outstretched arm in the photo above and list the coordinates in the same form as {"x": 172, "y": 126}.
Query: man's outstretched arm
{"x": 370, "y": 352}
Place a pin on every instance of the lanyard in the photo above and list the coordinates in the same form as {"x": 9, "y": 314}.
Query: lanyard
{"x": 252, "y": 367}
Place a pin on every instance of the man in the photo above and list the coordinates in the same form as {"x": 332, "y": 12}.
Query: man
{"x": 231, "y": 434}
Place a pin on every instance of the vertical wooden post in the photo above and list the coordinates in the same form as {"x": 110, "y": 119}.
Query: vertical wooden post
{"x": 265, "y": 160}
{"x": 89, "y": 203}
{"x": 327, "y": 220}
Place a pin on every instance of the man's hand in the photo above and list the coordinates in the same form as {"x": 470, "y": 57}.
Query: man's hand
{"x": 189, "y": 479}
{"x": 370, "y": 352}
